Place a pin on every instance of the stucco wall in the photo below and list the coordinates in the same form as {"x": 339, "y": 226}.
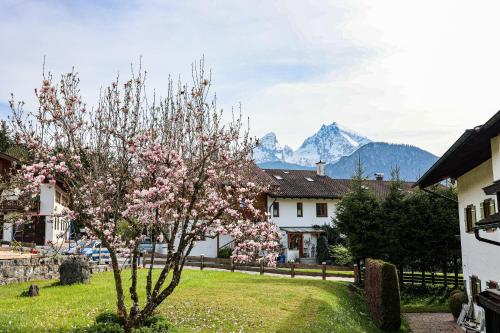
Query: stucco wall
{"x": 478, "y": 258}
{"x": 288, "y": 212}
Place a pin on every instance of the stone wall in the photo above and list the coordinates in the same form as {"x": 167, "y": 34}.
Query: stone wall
{"x": 29, "y": 269}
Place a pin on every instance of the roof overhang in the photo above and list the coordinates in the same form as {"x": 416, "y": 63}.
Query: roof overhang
{"x": 273, "y": 195}
{"x": 302, "y": 230}
{"x": 469, "y": 151}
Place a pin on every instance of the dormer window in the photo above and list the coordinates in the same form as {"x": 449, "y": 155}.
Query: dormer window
{"x": 309, "y": 179}
{"x": 278, "y": 177}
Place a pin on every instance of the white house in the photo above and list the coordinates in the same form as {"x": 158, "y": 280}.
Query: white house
{"x": 474, "y": 162}
{"x": 298, "y": 201}
{"x": 302, "y": 200}
{"x": 44, "y": 226}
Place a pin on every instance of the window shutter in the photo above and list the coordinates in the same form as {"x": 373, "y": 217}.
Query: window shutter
{"x": 473, "y": 215}
{"x": 466, "y": 219}
{"x": 481, "y": 207}
{"x": 492, "y": 205}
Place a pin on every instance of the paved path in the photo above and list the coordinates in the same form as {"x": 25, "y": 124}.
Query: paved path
{"x": 432, "y": 323}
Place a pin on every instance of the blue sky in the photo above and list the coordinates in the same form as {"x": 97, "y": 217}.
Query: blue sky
{"x": 397, "y": 71}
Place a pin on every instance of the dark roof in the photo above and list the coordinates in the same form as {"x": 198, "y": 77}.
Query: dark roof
{"x": 294, "y": 184}
{"x": 260, "y": 177}
{"x": 469, "y": 151}
{"x": 8, "y": 157}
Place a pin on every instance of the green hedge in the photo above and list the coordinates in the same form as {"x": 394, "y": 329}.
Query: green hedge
{"x": 382, "y": 294}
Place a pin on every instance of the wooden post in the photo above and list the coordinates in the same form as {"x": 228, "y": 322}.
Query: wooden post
{"x": 324, "y": 271}
{"x": 433, "y": 278}
{"x": 100, "y": 247}
{"x": 423, "y": 277}
{"x": 292, "y": 271}
{"x": 232, "y": 264}
{"x": 144, "y": 259}
{"x": 445, "y": 273}
{"x": 455, "y": 270}
{"x": 262, "y": 266}
{"x": 358, "y": 263}
{"x": 202, "y": 257}
{"x": 412, "y": 276}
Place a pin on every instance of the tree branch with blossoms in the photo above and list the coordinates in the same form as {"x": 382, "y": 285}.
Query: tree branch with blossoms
{"x": 168, "y": 168}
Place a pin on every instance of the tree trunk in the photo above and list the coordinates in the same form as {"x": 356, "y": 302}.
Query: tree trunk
{"x": 120, "y": 302}
{"x": 445, "y": 273}
{"x": 455, "y": 269}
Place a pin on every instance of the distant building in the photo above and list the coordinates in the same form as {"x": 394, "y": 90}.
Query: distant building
{"x": 474, "y": 162}
{"x": 43, "y": 227}
{"x": 298, "y": 201}
{"x": 303, "y": 199}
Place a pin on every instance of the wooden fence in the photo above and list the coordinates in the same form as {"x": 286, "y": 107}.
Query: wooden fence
{"x": 433, "y": 278}
{"x": 292, "y": 269}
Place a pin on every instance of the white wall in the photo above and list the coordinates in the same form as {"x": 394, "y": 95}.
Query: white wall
{"x": 208, "y": 247}
{"x": 7, "y": 232}
{"x": 288, "y": 212}
{"x": 47, "y": 202}
{"x": 478, "y": 258}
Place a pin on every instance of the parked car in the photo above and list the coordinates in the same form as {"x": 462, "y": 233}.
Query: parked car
{"x": 91, "y": 249}
{"x": 146, "y": 246}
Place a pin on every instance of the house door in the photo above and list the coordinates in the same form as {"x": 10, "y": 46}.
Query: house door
{"x": 32, "y": 232}
{"x": 296, "y": 242}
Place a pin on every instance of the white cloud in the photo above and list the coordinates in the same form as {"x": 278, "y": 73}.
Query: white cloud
{"x": 397, "y": 71}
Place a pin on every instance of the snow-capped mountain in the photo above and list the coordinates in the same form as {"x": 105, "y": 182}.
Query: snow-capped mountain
{"x": 269, "y": 150}
{"x": 329, "y": 144}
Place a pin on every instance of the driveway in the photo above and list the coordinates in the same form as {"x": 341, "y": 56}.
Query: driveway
{"x": 432, "y": 323}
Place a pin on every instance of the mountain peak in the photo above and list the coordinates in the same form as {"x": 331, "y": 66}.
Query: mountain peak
{"x": 330, "y": 143}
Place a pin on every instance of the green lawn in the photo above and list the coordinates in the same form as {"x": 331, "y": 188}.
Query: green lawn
{"x": 205, "y": 301}
{"x": 419, "y": 299}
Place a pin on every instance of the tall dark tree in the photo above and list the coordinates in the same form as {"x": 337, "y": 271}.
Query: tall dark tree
{"x": 357, "y": 218}
{"x": 394, "y": 219}
{"x": 5, "y": 137}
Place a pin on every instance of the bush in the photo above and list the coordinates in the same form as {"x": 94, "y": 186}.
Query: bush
{"x": 225, "y": 253}
{"x": 455, "y": 302}
{"x": 109, "y": 322}
{"x": 341, "y": 255}
{"x": 107, "y": 317}
{"x": 382, "y": 294}
{"x": 104, "y": 328}
{"x": 322, "y": 248}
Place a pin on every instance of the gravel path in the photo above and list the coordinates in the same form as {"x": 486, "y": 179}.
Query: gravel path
{"x": 432, "y": 323}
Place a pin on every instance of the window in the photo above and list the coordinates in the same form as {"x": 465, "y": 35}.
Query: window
{"x": 278, "y": 177}
{"x": 58, "y": 197}
{"x": 276, "y": 209}
{"x": 470, "y": 218}
{"x": 475, "y": 287}
{"x": 321, "y": 210}
{"x": 487, "y": 208}
{"x": 300, "y": 213}
{"x": 309, "y": 179}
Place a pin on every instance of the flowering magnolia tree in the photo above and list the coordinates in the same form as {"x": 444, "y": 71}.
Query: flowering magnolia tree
{"x": 167, "y": 168}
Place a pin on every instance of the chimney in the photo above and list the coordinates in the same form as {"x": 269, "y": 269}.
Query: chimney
{"x": 320, "y": 168}
{"x": 379, "y": 176}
